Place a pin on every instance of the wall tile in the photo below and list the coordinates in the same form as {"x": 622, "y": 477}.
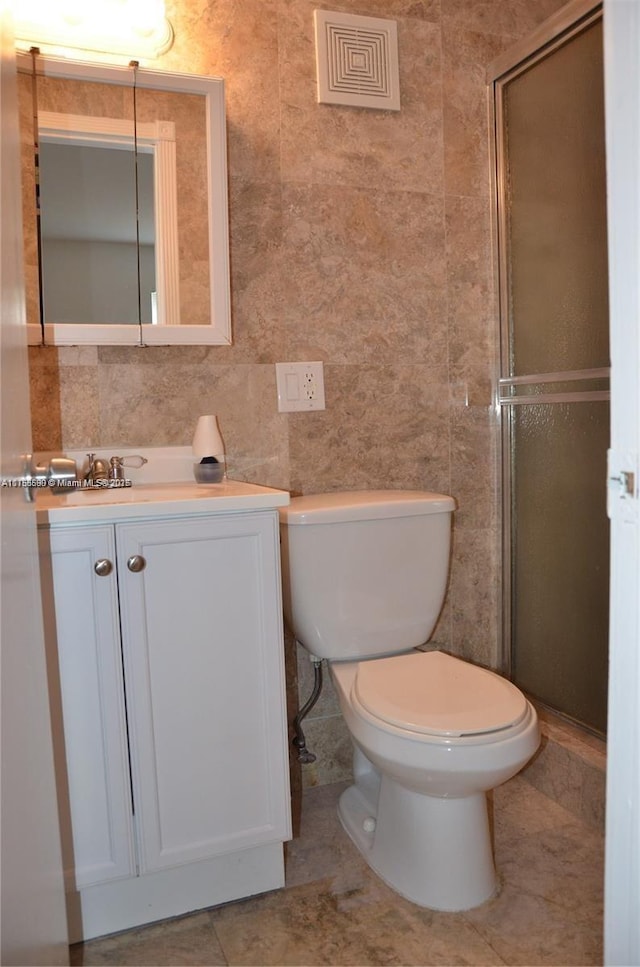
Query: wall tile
{"x": 356, "y": 146}
{"x": 472, "y": 319}
{"x": 474, "y": 595}
{"x": 329, "y": 739}
{"x": 466, "y": 55}
{"x": 257, "y": 291}
{"x": 367, "y": 273}
{"x": 515, "y": 17}
{"x": 239, "y": 42}
{"x": 385, "y": 427}
{"x": 473, "y": 467}
{"x": 46, "y": 416}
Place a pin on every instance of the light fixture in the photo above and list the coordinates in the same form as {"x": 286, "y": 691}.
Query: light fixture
{"x": 93, "y": 28}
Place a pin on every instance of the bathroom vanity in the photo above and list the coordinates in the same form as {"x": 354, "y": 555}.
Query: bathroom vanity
{"x": 163, "y": 624}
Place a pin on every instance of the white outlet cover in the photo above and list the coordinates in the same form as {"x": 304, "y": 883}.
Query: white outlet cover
{"x": 300, "y": 386}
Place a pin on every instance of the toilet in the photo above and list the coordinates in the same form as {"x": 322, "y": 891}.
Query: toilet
{"x": 364, "y": 580}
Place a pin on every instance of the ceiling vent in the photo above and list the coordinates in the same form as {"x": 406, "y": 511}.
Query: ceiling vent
{"x": 357, "y": 61}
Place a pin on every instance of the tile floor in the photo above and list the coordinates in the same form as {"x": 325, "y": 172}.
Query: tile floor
{"x": 335, "y": 911}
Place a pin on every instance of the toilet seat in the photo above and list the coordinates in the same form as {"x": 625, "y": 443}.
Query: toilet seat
{"x": 432, "y": 693}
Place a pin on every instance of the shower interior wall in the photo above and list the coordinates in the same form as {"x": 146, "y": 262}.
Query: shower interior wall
{"x": 358, "y": 237}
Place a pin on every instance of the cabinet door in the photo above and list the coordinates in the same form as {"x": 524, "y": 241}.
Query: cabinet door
{"x": 204, "y": 660}
{"x": 87, "y": 696}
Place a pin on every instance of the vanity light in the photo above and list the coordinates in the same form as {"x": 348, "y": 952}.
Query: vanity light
{"x": 99, "y": 28}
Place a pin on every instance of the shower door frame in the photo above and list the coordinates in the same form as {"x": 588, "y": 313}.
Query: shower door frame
{"x": 556, "y": 31}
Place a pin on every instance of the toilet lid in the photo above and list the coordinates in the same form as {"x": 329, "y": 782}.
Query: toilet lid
{"x": 433, "y": 693}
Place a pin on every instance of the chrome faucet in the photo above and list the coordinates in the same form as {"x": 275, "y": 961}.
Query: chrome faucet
{"x": 98, "y": 471}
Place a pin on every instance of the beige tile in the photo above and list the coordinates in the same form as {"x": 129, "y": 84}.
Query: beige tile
{"x": 564, "y": 866}
{"x": 155, "y": 355}
{"x": 238, "y": 42}
{"x": 570, "y": 772}
{"x": 189, "y": 940}
{"x": 340, "y": 313}
{"x": 78, "y": 356}
{"x": 384, "y": 427}
{"x": 398, "y": 230}
{"x": 593, "y": 797}
{"x": 146, "y": 405}
{"x": 519, "y": 811}
{"x": 360, "y": 288}
{"x": 256, "y": 271}
{"x": 330, "y": 922}
{"x": 591, "y": 748}
{"x": 159, "y": 405}
{"x": 392, "y": 9}
{"x": 44, "y": 383}
{"x": 556, "y": 773}
{"x": 441, "y": 637}
{"x": 527, "y": 929}
{"x": 550, "y": 865}
{"x": 466, "y": 54}
{"x": 328, "y": 738}
{"x": 335, "y": 910}
{"x": 326, "y": 143}
{"x": 323, "y": 850}
{"x": 80, "y": 406}
{"x": 472, "y": 312}
{"x": 514, "y": 17}
{"x": 473, "y": 467}
{"x": 195, "y": 293}
{"x": 473, "y": 593}
{"x": 255, "y": 434}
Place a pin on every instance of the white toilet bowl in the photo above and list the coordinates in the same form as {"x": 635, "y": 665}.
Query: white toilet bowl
{"x": 364, "y": 578}
{"x": 417, "y": 810}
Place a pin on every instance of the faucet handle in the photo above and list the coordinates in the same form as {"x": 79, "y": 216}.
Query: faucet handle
{"x": 135, "y": 460}
{"x": 116, "y": 470}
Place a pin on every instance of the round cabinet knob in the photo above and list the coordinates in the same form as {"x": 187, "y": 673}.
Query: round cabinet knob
{"x": 136, "y": 563}
{"x": 103, "y": 567}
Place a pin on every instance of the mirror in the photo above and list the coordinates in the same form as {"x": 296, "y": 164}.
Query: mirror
{"x": 92, "y": 184}
{"x": 164, "y": 234}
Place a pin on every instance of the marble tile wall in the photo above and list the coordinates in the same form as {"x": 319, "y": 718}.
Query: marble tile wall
{"x": 361, "y": 238}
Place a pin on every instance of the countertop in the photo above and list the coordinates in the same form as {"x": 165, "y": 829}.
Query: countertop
{"x": 147, "y": 500}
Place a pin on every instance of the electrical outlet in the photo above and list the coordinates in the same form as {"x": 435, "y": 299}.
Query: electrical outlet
{"x": 300, "y": 386}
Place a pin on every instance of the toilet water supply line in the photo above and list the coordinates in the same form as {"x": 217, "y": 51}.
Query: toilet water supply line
{"x": 299, "y": 740}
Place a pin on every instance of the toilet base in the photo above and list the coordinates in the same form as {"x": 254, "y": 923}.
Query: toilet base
{"x": 435, "y": 852}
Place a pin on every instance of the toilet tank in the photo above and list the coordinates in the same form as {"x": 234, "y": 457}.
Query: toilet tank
{"x": 364, "y": 573}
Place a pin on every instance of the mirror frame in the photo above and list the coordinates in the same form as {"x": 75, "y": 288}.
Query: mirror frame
{"x": 218, "y": 332}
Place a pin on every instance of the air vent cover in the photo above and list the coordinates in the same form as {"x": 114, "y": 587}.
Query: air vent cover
{"x": 357, "y": 61}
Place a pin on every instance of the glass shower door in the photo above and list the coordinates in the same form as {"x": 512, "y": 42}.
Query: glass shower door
{"x": 554, "y": 365}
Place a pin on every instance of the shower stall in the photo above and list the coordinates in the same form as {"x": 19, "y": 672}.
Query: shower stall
{"x": 553, "y": 384}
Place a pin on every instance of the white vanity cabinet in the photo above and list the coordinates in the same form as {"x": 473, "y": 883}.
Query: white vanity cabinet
{"x": 166, "y": 651}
